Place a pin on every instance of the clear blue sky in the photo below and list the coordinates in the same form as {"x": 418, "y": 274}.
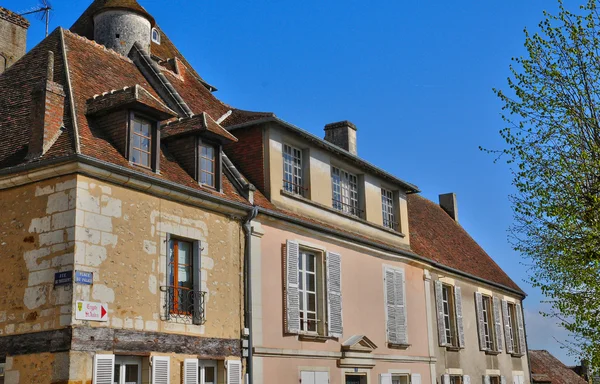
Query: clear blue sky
{"x": 416, "y": 78}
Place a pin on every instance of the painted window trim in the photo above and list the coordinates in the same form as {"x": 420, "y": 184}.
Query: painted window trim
{"x": 157, "y": 40}
{"x": 154, "y": 145}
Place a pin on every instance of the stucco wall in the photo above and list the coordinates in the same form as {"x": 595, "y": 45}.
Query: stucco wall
{"x": 119, "y": 30}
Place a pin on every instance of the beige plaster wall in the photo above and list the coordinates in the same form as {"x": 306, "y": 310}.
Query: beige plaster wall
{"x": 120, "y": 236}
{"x": 36, "y": 241}
{"x": 320, "y": 189}
{"x": 38, "y": 368}
{"x": 471, "y": 360}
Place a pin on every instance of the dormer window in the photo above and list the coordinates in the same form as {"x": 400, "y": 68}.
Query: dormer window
{"x": 208, "y": 165}
{"x": 155, "y": 36}
{"x": 142, "y": 142}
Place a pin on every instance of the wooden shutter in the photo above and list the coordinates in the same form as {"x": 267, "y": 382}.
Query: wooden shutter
{"x": 292, "y": 295}
{"x": 104, "y": 369}
{"x": 480, "y": 326}
{"x": 384, "y": 378}
{"x": 161, "y": 369}
{"x": 459, "y": 316}
{"x": 446, "y": 379}
{"x": 507, "y": 328}
{"x": 399, "y": 283}
{"x": 466, "y": 379}
{"x": 334, "y": 295}
{"x": 169, "y": 271}
{"x": 415, "y": 378}
{"x": 390, "y": 305}
{"x": 234, "y": 372}
{"x": 520, "y": 325}
{"x": 197, "y": 273}
{"x": 440, "y": 313}
{"x": 190, "y": 371}
{"x": 498, "y": 324}
{"x": 321, "y": 377}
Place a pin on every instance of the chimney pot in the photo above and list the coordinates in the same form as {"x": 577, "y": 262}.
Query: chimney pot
{"x": 342, "y": 134}
{"x": 448, "y": 204}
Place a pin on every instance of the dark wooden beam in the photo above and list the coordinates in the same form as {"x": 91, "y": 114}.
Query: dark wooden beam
{"x": 37, "y": 342}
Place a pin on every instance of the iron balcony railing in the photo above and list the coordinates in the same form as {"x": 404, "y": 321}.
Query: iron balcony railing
{"x": 184, "y": 305}
{"x": 348, "y": 208}
{"x": 391, "y": 224}
{"x": 296, "y": 189}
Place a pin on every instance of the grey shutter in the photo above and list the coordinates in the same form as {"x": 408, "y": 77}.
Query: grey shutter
{"x": 169, "y": 274}
{"x": 466, "y": 379}
{"x": 399, "y": 283}
{"x": 321, "y": 377}
{"x": 197, "y": 266}
{"x": 190, "y": 371}
{"x": 390, "y": 305}
{"x": 486, "y": 380}
{"x": 307, "y": 377}
{"x": 446, "y": 379}
{"x": 479, "y": 308}
{"x": 292, "y": 295}
{"x": 161, "y": 370}
{"x": 522, "y": 347}
{"x": 415, "y": 378}
{"x": 498, "y": 324}
{"x": 385, "y": 378}
{"x": 507, "y": 328}
{"x": 234, "y": 372}
{"x": 459, "y": 317}
{"x": 502, "y": 380}
{"x": 104, "y": 369}
{"x": 440, "y": 313}
{"x": 334, "y": 295}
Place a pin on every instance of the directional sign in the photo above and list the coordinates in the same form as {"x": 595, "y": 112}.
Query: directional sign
{"x": 63, "y": 278}
{"x": 86, "y": 278}
{"x": 87, "y": 310}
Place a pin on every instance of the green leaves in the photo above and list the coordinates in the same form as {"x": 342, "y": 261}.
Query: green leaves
{"x": 553, "y": 145}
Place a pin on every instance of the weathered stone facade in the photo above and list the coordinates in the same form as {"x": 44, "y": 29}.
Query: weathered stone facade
{"x": 13, "y": 38}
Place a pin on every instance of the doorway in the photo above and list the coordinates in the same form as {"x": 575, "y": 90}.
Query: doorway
{"x": 128, "y": 370}
{"x": 356, "y": 379}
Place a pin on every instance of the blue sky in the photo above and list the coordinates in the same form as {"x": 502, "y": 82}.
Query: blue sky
{"x": 416, "y": 78}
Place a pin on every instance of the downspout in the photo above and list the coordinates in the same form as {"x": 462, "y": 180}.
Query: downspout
{"x": 248, "y": 287}
{"x": 526, "y": 343}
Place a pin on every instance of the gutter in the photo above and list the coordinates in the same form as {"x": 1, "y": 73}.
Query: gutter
{"x": 248, "y": 288}
{"x": 526, "y": 342}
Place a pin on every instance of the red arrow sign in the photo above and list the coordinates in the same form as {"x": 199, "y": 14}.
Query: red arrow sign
{"x": 102, "y": 311}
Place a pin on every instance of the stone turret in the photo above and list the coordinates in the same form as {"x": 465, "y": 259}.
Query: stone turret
{"x": 13, "y": 38}
{"x": 118, "y": 24}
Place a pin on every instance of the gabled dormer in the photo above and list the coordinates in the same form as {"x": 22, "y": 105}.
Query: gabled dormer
{"x": 131, "y": 119}
{"x": 196, "y": 142}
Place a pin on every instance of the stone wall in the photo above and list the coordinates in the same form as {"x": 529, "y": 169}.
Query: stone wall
{"x": 13, "y": 38}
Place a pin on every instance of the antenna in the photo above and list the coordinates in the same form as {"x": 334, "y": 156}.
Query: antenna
{"x": 44, "y": 8}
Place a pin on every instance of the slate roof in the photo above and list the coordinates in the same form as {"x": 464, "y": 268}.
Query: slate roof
{"x": 546, "y": 368}
{"x": 436, "y": 236}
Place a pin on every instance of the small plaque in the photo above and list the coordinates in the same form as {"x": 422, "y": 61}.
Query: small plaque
{"x": 86, "y": 278}
{"x": 63, "y": 278}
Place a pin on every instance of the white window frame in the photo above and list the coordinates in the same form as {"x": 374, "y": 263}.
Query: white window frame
{"x": 344, "y": 187}
{"x": 202, "y": 365}
{"x": 388, "y": 209}
{"x": 449, "y": 306}
{"x": 157, "y": 39}
{"x": 303, "y": 278}
{"x": 488, "y": 320}
{"x": 293, "y": 181}
{"x": 401, "y": 376}
{"x": 128, "y": 360}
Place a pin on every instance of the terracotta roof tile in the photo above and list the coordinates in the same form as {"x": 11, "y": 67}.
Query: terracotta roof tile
{"x": 547, "y": 368}
{"x": 196, "y": 124}
{"x": 129, "y": 96}
{"x": 435, "y": 235}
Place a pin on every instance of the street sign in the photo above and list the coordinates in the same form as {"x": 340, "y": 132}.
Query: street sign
{"x": 87, "y": 310}
{"x": 63, "y": 278}
{"x": 86, "y": 278}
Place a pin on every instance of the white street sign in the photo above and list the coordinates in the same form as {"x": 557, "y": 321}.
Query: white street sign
{"x": 87, "y": 310}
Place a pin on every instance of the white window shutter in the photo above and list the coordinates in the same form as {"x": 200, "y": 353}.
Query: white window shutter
{"x": 321, "y": 377}
{"x": 486, "y": 379}
{"x": 161, "y": 369}
{"x": 415, "y": 378}
{"x": 498, "y": 324}
{"x": 190, "y": 371}
{"x": 446, "y": 379}
{"x": 466, "y": 379}
{"x": 502, "y": 380}
{"x": 480, "y": 327}
{"x": 334, "y": 295}
{"x": 390, "y": 305}
{"x": 307, "y": 377}
{"x": 459, "y": 316}
{"x": 440, "y": 313}
{"x": 292, "y": 295}
{"x": 234, "y": 372}
{"x": 507, "y": 327}
{"x": 399, "y": 282}
{"x": 385, "y": 378}
{"x": 522, "y": 347}
{"x": 104, "y": 369}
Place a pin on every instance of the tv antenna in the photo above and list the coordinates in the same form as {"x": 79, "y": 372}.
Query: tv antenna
{"x": 44, "y": 9}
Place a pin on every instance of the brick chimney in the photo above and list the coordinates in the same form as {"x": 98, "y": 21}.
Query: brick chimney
{"x": 342, "y": 134}
{"x": 47, "y": 113}
{"x": 448, "y": 204}
{"x": 13, "y": 38}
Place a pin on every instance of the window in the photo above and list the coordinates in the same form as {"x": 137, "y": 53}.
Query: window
{"x": 489, "y": 317}
{"x": 487, "y": 322}
{"x": 388, "y": 209}
{"x": 356, "y": 379}
{"x": 311, "y": 377}
{"x": 128, "y": 370}
{"x": 495, "y": 380}
{"x": 2, "y": 360}
{"x": 292, "y": 170}
{"x": 207, "y": 165}
{"x": 512, "y": 325}
{"x": 400, "y": 379}
{"x": 313, "y": 291}
{"x": 141, "y": 151}
{"x": 207, "y": 372}
{"x": 155, "y": 36}
{"x": 456, "y": 379}
{"x": 345, "y": 191}
{"x": 449, "y": 316}
{"x": 395, "y": 307}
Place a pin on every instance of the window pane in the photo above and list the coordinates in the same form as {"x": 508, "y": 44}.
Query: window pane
{"x": 209, "y": 375}
{"x": 185, "y": 277}
{"x": 210, "y": 180}
{"x": 145, "y": 144}
{"x": 131, "y": 374}
{"x": 136, "y": 141}
{"x": 310, "y": 261}
{"x": 117, "y": 374}
{"x": 137, "y": 126}
{"x": 185, "y": 252}
{"x": 312, "y": 302}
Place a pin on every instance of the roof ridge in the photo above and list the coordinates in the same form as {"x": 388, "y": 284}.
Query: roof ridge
{"x": 97, "y": 45}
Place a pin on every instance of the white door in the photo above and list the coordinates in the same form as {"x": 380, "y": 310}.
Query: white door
{"x": 128, "y": 370}
{"x": 207, "y": 371}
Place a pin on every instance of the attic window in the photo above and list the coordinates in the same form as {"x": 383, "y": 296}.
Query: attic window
{"x": 209, "y": 164}
{"x": 155, "y": 36}
{"x": 143, "y": 142}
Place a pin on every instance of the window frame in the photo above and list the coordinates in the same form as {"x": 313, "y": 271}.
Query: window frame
{"x": 157, "y": 40}
{"x": 217, "y": 162}
{"x": 295, "y": 183}
{"x": 450, "y": 303}
{"x": 154, "y": 141}
{"x": 495, "y": 379}
{"x": 123, "y": 361}
{"x": 488, "y": 322}
{"x": 388, "y": 209}
{"x": 202, "y": 365}
{"x": 173, "y": 272}
{"x": 320, "y": 292}
{"x": 346, "y": 203}
{"x": 514, "y": 327}
{"x": 454, "y": 378}
{"x": 405, "y": 376}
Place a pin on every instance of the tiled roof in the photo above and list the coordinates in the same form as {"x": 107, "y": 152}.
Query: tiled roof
{"x": 436, "y": 236}
{"x": 199, "y": 123}
{"x": 14, "y": 18}
{"x": 546, "y": 368}
{"x": 129, "y": 96}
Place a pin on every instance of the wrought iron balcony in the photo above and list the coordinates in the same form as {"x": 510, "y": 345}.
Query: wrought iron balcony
{"x": 348, "y": 208}
{"x": 184, "y": 305}
{"x": 296, "y": 189}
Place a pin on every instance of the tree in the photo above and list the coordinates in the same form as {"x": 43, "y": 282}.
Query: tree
{"x": 552, "y": 139}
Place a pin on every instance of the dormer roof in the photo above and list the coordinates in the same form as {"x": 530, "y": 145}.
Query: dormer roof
{"x": 199, "y": 124}
{"x": 129, "y": 97}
